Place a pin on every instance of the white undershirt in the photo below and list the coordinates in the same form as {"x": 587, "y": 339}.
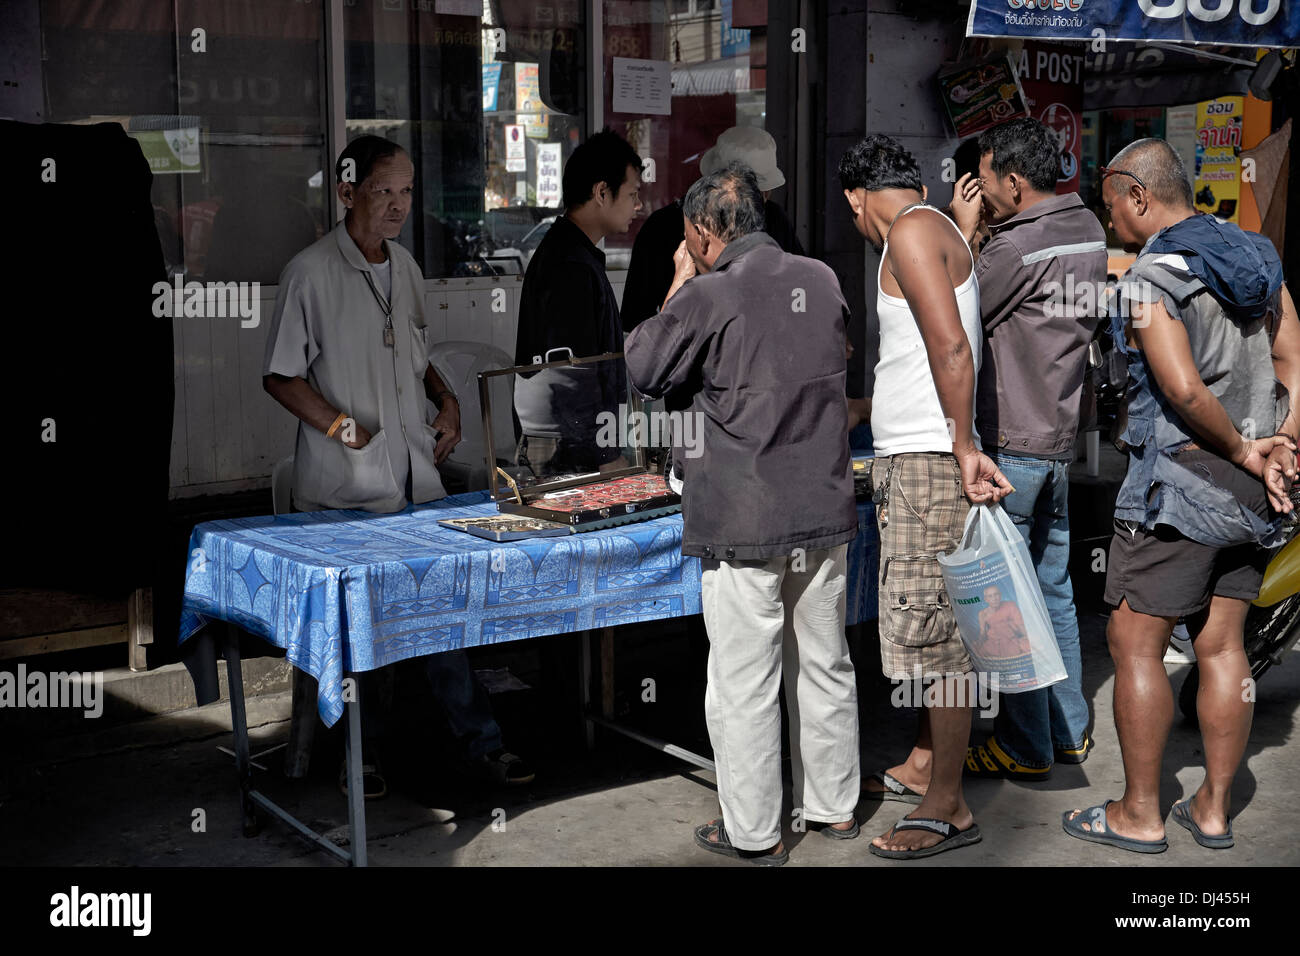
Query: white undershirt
{"x": 384, "y": 273}
{"x": 905, "y": 412}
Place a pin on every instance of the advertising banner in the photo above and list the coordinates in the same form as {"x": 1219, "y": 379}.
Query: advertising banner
{"x": 1217, "y": 172}
{"x": 1267, "y": 23}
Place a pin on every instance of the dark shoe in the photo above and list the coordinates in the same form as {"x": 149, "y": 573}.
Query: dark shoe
{"x": 952, "y": 838}
{"x": 1078, "y": 754}
{"x": 503, "y": 767}
{"x": 373, "y": 784}
{"x": 1095, "y": 817}
{"x": 992, "y": 762}
{"x": 1213, "y": 841}
{"x": 895, "y": 789}
{"x": 723, "y": 845}
{"x": 831, "y": 833}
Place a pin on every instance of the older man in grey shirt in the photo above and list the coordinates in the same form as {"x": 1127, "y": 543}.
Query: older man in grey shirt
{"x": 755, "y": 343}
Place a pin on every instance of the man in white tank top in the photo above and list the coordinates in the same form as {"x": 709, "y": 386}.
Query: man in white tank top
{"x": 928, "y": 470}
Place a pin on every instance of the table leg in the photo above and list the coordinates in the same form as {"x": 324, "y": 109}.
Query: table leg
{"x": 239, "y": 724}
{"x": 356, "y": 792}
{"x": 302, "y": 725}
{"x": 607, "y": 672}
{"x": 584, "y": 691}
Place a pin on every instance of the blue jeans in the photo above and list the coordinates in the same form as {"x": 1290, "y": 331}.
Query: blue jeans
{"x": 1031, "y": 726}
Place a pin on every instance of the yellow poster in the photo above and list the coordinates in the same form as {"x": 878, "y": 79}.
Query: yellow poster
{"x": 528, "y": 101}
{"x": 1217, "y": 177}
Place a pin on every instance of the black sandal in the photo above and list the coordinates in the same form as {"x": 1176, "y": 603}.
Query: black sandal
{"x": 952, "y": 838}
{"x": 723, "y": 845}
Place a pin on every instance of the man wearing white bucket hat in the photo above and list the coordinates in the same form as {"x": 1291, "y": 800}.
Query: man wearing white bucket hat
{"x": 650, "y": 272}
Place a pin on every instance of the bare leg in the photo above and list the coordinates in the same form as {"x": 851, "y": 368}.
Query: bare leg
{"x": 1221, "y": 707}
{"x": 1144, "y": 712}
{"x": 949, "y": 730}
{"x": 913, "y": 772}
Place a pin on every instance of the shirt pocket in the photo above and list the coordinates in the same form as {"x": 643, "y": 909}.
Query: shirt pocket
{"x": 364, "y": 478}
{"x": 419, "y": 349}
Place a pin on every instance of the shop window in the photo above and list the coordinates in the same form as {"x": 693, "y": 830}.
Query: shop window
{"x": 226, "y": 100}
{"x": 487, "y": 97}
{"x": 716, "y": 64}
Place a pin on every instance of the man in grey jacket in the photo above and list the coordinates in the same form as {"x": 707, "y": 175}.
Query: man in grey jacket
{"x": 1041, "y": 276}
{"x": 755, "y": 341}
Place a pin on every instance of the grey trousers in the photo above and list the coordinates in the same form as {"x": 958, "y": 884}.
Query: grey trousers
{"x": 768, "y": 619}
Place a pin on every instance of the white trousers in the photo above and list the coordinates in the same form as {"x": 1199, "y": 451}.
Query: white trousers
{"x": 767, "y": 619}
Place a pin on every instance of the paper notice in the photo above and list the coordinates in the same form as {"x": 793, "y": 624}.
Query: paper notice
{"x": 642, "y": 86}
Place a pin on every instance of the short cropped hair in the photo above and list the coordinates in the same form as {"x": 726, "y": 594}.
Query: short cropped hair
{"x": 1160, "y": 168}
{"x": 365, "y": 151}
{"x": 727, "y": 202}
{"x": 879, "y": 162}
{"x": 603, "y": 158}
{"x": 1025, "y": 147}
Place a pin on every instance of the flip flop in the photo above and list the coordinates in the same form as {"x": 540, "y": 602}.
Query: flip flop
{"x": 895, "y": 789}
{"x": 1214, "y": 841}
{"x": 723, "y": 845}
{"x": 952, "y": 838}
{"x": 1096, "y": 816}
{"x": 830, "y": 832}
{"x": 373, "y": 784}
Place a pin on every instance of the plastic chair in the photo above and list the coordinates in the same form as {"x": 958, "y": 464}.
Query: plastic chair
{"x": 458, "y": 364}
{"x": 281, "y": 485}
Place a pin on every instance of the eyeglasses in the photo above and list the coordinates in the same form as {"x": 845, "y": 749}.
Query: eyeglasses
{"x": 1111, "y": 171}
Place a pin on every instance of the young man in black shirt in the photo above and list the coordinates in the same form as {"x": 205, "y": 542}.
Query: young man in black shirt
{"x": 567, "y": 302}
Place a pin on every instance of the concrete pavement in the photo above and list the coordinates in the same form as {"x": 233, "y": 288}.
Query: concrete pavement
{"x": 158, "y": 792}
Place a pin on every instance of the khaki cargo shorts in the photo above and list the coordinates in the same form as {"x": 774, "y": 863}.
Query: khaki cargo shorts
{"x": 919, "y": 516}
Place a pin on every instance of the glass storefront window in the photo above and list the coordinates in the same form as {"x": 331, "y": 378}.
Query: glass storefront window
{"x": 718, "y": 81}
{"x": 487, "y": 97}
{"x": 226, "y": 101}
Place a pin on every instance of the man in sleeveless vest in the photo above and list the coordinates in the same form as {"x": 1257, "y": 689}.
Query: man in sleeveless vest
{"x": 1213, "y": 347}
{"x": 928, "y": 470}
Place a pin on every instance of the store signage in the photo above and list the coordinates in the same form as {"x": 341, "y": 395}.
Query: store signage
{"x": 1052, "y": 78}
{"x": 528, "y": 100}
{"x": 548, "y": 174}
{"x": 1217, "y": 173}
{"x": 981, "y": 94}
{"x": 1256, "y": 23}
{"x": 516, "y": 157}
{"x": 491, "y": 86}
{"x": 170, "y": 150}
{"x": 733, "y": 42}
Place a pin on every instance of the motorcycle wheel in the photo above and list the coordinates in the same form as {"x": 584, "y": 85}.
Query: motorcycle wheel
{"x": 1269, "y": 632}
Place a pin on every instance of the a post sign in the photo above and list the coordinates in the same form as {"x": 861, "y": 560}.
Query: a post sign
{"x": 1268, "y": 23}
{"x": 1052, "y": 78}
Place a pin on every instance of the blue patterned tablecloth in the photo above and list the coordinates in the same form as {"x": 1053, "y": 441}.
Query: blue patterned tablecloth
{"x": 352, "y": 591}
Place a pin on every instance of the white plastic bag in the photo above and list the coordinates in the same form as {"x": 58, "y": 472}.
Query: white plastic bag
{"x": 999, "y": 605}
